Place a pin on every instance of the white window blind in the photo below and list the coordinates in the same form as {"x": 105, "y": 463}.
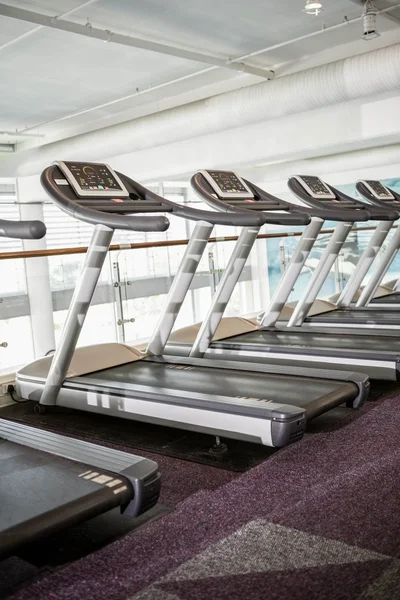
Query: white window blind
{"x": 64, "y": 231}
{"x": 11, "y": 212}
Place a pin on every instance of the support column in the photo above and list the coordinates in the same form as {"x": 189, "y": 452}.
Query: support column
{"x": 37, "y": 275}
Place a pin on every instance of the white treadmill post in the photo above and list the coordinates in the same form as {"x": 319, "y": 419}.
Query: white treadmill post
{"x": 326, "y": 262}
{"x": 221, "y": 297}
{"x": 292, "y": 273}
{"x": 180, "y": 286}
{"x": 381, "y": 270}
{"x": 78, "y": 309}
{"x": 364, "y": 263}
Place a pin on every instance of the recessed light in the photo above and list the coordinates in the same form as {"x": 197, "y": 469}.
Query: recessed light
{"x": 312, "y": 7}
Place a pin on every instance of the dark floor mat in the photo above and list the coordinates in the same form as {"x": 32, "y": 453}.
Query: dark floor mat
{"x": 37, "y": 559}
{"x": 14, "y": 573}
{"x": 232, "y": 455}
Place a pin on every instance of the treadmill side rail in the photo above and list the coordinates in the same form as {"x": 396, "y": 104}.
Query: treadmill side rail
{"x": 248, "y": 419}
{"x": 142, "y": 473}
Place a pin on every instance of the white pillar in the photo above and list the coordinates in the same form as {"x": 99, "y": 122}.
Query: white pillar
{"x": 31, "y": 198}
{"x": 259, "y": 274}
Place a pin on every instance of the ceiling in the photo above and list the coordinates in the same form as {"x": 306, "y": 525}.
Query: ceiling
{"x": 56, "y": 83}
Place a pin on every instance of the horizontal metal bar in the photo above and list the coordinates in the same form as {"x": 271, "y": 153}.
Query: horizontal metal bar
{"x": 322, "y": 31}
{"x": 17, "y": 305}
{"x": 112, "y": 37}
{"x": 160, "y": 244}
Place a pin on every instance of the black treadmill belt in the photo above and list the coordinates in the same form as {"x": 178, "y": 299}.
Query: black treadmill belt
{"x": 40, "y": 493}
{"x": 284, "y": 389}
{"x": 359, "y": 316}
{"x": 308, "y": 342}
{"x": 389, "y": 299}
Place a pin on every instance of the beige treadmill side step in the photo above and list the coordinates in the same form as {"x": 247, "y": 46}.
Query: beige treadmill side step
{"x": 319, "y": 307}
{"x": 383, "y": 290}
{"x": 336, "y": 297}
{"x": 228, "y": 327}
{"x": 88, "y": 359}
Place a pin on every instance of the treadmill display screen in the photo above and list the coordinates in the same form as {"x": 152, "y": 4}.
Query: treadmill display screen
{"x": 315, "y": 187}
{"x": 378, "y": 190}
{"x": 227, "y": 184}
{"x": 93, "y": 179}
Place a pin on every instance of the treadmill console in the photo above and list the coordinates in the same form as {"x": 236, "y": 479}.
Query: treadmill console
{"x": 378, "y": 190}
{"x": 92, "y": 179}
{"x": 96, "y": 186}
{"x": 227, "y": 185}
{"x": 315, "y": 187}
{"x": 227, "y": 188}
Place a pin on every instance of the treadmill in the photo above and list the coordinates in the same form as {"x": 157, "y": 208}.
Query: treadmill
{"x": 50, "y": 481}
{"x": 259, "y": 403}
{"x": 273, "y": 341}
{"x": 342, "y": 314}
{"x": 375, "y": 294}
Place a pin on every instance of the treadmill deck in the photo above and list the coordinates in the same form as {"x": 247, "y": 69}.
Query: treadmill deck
{"x": 358, "y": 316}
{"x": 304, "y": 392}
{"x": 389, "y": 299}
{"x": 309, "y": 342}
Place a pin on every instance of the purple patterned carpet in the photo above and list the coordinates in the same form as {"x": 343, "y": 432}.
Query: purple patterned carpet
{"x": 318, "y": 520}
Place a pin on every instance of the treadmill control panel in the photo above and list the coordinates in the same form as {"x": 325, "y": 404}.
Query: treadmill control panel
{"x": 315, "y": 187}
{"x": 93, "y": 180}
{"x": 378, "y": 190}
{"x": 226, "y": 184}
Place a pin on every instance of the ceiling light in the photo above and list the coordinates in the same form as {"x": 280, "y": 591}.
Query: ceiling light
{"x": 312, "y": 7}
{"x": 369, "y": 20}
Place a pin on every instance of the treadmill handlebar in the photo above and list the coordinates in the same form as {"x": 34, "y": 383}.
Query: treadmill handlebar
{"x": 387, "y": 206}
{"x": 127, "y": 222}
{"x": 239, "y": 219}
{"x": 378, "y": 212}
{"x": 294, "y": 215}
{"x": 22, "y": 230}
{"x": 98, "y": 217}
{"x": 330, "y": 212}
{"x": 201, "y": 186}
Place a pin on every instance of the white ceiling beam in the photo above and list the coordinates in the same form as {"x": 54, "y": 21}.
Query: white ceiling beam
{"x": 111, "y": 37}
{"x": 39, "y": 27}
{"x": 387, "y": 15}
{"x": 324, "y": 30}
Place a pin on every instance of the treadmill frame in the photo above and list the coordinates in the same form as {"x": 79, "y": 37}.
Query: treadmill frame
{"x": 388, "y": 367}
{"x": 88, "y": 393}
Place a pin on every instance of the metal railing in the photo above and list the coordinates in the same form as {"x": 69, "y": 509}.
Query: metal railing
{"x": 36, "y": 287}
{"x": 160, "y": 244}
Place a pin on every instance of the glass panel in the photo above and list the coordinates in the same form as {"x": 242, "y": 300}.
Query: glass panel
{"x": 134, "y": 284}
{"x": 100, "y": 324}
{"x": 15, "y": 323}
